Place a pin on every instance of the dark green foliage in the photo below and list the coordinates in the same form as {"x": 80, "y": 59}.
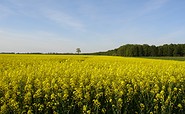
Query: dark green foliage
{"x": 137, "y": 50}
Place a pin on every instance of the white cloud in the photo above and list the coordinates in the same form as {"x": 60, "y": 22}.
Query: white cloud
{"x": 154, "y": 5}
{"x": 39, "y": 41}
{"x": 63, "y": 19}
{"x": 5, "y": 11}
{"x": 41, "y": 10}
{"x": 147, "y": 8}
{"x": 21, "y": 8}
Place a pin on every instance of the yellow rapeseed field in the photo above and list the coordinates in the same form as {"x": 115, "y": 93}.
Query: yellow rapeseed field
{"x": 59, "y": 84}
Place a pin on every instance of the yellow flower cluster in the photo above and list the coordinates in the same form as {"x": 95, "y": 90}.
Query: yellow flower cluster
{"x": 90, "y": 84}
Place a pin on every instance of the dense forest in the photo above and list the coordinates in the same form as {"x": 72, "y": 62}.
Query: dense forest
{"x": 136, "y": 50}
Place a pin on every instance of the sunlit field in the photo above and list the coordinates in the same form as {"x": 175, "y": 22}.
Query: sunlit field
{"x": 62, "y": 84}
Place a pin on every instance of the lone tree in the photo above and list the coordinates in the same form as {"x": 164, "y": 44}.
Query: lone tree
{"x": 78, "y": 50}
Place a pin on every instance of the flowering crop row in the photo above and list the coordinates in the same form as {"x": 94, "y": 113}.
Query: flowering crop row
{"x": 90, "y": 84}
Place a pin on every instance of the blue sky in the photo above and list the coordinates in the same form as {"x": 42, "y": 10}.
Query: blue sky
{"x": 92, "y": 25}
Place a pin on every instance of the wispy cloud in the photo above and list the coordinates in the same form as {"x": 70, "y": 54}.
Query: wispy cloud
{"x": 153, "y": 5}
{"x": 64, "y": 19}
{"x": 5, "y": 11}
{"x": 146, "y": 8}
{"x": 38, "y": 10}
{"x": 24, "y": 8}
{"x": 40, "y": 41}
{"x": 12, "y": 8}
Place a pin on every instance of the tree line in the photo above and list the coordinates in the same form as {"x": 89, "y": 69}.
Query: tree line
{"x": 137, "y": 50}
{"x": 131, "y": 50}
